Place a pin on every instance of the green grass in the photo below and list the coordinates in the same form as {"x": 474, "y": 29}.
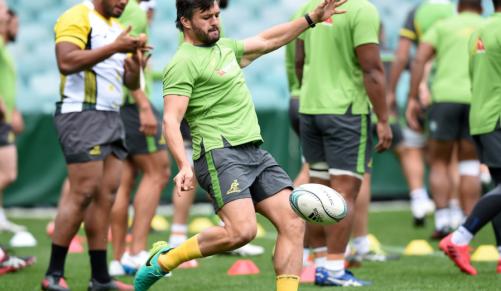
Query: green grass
{"x": 391, "y": 228}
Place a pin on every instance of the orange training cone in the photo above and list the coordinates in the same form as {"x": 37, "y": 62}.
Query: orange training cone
{"x": 76, "y": 246}
{"x": 50, "y": 228}
{"x": 243, "y": 267}
{"x": 308, "y": 274}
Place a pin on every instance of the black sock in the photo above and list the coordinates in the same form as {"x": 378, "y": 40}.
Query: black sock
{"x": 57, "y": 260}
{"x": 487, "y": 208}
{"x": 99, "y": 266}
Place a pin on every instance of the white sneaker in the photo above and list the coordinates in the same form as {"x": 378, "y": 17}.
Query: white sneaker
{"x": 248, "y": 250}
{"x": 132, "y": 263}
{"x": 421, "y": 207}
{"x": 116, "y": 269}
{"x": 9, "y": 226}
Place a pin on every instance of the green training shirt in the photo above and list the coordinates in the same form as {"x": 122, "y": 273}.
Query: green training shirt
{"x": 450, "y": 38}
{"x": 220, "y": 107}
{"x": 137, "y": 18}
{"x": 290, "y": 61}
{"x": 485, "y": 69}
{"x": 7, "y": 80}
{"x": 334, "y": 81}
{"x": 429, "y": 13}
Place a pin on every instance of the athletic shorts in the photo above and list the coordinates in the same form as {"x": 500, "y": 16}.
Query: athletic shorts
{"x": 137, "y": 142}
{"x": 185, "y": 130}
{"x": 294, "y": 114}
{"x": 413, "y": 139}
{"x": 449, "y": 121}
{"x": 188, "y": 144}
{"x": 339, "y": 144}
{"x": 489, "y": 148}
{"x": 244, "y": 171}
{"x": 396, "y": 130}
{"x": 7, "y": 136}
{"x": 91, "y": 135}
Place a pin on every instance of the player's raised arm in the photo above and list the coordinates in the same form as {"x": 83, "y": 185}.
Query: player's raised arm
{"x": 280, "y": 35}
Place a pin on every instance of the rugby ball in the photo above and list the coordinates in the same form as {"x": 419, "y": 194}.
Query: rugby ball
{"x": 318, "y": 204}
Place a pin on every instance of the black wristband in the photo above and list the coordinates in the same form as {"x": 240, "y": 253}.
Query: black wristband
{"x": 309, "y": 20}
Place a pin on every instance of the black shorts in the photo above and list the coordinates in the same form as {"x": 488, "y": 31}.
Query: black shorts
{"x": 7, "y": 136}
{"x": 294, "y": 114}
{"x": 137, "y": 142}
{"x": 397, "y": 132}
{"x": 449, "y": 121}
{"x": 343, "y": 143}
{"x": 244, "y": 171}
{"x": 489, "y": 148}
{"x": 91, "y": 135}
{"x": 185, "y": 130}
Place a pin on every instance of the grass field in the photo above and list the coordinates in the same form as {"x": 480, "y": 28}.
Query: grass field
{"x": 393, "y": 229}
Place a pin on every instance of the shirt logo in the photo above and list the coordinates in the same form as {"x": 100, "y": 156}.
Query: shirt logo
{"x": 233, "y": 65}
{"x": 480, "y": 46}
{"x": 234, "y": 188}
{"x": 95, "y": 151}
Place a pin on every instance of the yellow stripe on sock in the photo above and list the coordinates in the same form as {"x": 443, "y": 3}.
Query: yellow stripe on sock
{"x": 287, "y": 283}
{"x": 187, "y": 251}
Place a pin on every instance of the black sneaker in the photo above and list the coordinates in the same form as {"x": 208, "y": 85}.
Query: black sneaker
{"x": 54, "y": 283}
{"x": 94, "y": 285}
{"x": 419, "y": 222}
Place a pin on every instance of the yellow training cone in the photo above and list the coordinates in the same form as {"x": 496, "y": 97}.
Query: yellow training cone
{"x": 418, "y": 248}
{"x": 200, "y": 224}
{"x": 485, "y": 253}
{"x": 159, "y": 223}
{"x": 375, "y": 245}
{"x": 260, "y": 231}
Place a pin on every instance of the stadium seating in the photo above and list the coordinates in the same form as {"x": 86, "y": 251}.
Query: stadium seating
{"x": 34, "y": 50}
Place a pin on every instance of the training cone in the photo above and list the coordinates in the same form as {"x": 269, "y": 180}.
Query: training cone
{"x": 50, "y": 228}
{"x": 260, "y": 231}
{"x": 23, "y": 239}
{"x": 375, "y": 245}
{"x": 76, "y": 246}
{"x": 243, "y": 267}
{"x": 191, "y": 264}
{"x": 418, "y": 248}
{"x": 199, "y": 225}
{"x": 485, "y": 253}
{"x": 308, "y": 274}
{"x": 159, "y": 223}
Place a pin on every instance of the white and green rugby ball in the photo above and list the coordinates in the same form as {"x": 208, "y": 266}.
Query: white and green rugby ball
{"x": 318, "y": 204}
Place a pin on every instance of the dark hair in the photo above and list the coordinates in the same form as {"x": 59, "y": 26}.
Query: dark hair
{"x": 186, "y": 8}
{"x": 11, "y": 13}
{"x": 477, "y": 4}
{"x": 497, "y": 3}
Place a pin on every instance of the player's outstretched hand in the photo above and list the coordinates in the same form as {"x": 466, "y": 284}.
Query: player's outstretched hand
{"x": 184, "y": 180}
{"x": 326, "y": 9}
{"x": 384, "y": 135}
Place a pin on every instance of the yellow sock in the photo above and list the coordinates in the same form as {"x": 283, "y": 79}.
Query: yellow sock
{"x": 287, "y": 283}
{"x": 188, "y": 250}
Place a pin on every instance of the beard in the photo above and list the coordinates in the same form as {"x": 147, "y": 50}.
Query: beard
{"x": 205, "y": 37}
{"x": 113, "y": 11}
